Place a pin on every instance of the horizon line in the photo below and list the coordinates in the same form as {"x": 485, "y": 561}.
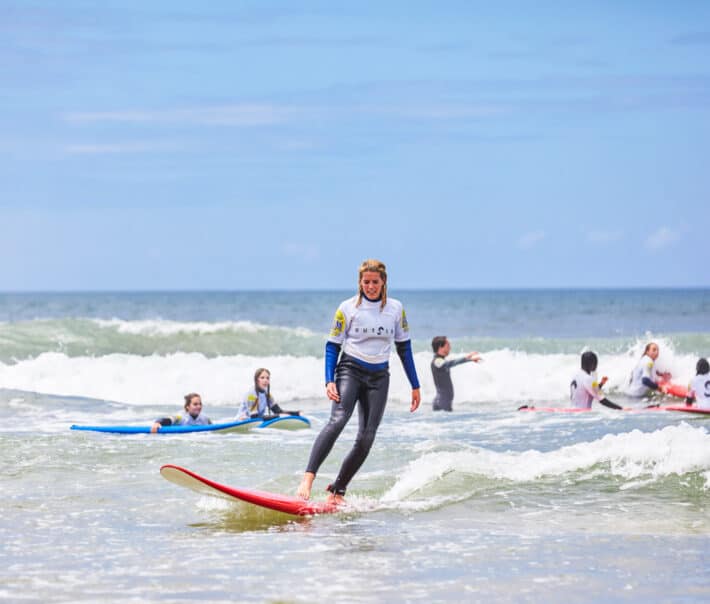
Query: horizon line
{"x": 344, "y": 289}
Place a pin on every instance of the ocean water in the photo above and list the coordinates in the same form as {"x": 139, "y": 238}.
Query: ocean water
{"x": 483, "y": 504}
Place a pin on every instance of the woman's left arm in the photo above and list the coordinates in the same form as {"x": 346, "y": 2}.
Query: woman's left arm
{"x": 404, "y": 351}
{"x": 416, "y": 399}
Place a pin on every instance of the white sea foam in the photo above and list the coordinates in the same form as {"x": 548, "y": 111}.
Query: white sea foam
{"x": 505, "y": 377}
{"x": 164, "y": 327}
{"x": 634, "y": 456}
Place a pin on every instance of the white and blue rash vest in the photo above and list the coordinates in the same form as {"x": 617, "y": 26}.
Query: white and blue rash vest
{"x": 700, "y": 389}
{"x": 641, "y": 378}
{"x": 584, "y": 389}
{"x": 255, "y": 402}
{"x": 184, "y": 419}
{"x": 366, "y": 333}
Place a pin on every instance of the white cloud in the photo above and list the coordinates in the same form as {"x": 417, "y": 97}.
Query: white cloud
{"x": 604, "y": 236}
{"x": 222, "y": 115}
{"x": 531, "y": 239}
{"x": 117, "y": 148}
{"x": 661, "y": 238}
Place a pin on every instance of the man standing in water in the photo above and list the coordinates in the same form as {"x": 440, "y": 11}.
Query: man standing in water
{"x": 441, "y": 371}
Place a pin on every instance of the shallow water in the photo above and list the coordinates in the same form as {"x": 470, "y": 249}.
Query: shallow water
{"x": 484, "y": 504}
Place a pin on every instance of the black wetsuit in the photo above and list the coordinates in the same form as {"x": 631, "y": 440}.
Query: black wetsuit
{"x": 355, "y": 384}
{"x": 440, "y": 370}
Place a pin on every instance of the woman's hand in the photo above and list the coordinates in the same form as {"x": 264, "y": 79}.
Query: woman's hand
{"x": 332, "y": 391}
{"x": 416, "y": 399}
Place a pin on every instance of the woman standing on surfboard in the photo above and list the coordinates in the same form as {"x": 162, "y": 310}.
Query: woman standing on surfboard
{"x": 364, "y": 328}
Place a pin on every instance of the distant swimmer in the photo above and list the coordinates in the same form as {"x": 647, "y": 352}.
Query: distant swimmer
{"x": 258, "y": 402}
{"x": 192, "y": 416}
{"x": 642, "y": 380}
{"x": 364, "y": 328}
{"x": 585, "y": 388}
{"x": 441, "y": 372}
{"x": 699, "y": 389}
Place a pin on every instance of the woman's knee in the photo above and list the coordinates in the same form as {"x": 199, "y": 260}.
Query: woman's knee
{"x": 364, "y": 441}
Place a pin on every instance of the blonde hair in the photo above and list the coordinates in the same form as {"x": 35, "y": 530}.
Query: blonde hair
{"x": 372, "y": 266}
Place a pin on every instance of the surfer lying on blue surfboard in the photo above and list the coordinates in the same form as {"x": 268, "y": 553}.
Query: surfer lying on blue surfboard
{"x": 192, "y": 416}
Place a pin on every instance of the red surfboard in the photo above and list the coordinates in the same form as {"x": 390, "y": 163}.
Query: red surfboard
{"x": 680, "y": 408}
{"x": 273, "y": 501}
{"x": 688, "y": 409}
{"x": 554, "y": 409}
{"x": 673, "y": 389}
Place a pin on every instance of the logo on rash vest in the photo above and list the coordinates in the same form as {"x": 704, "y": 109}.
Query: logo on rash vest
{"x": 405, "y": 325}
{"x": 253, "y": 402}
{"x": 338, "y": 324}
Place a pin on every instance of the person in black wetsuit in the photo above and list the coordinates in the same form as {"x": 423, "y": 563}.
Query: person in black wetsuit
{"x": 357, "y": 352}
{"x": 441, "y": 372}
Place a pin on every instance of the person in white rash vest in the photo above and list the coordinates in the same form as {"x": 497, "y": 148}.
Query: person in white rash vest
{"x": 192, "y": 416}
{"x": 643, "y": 379}
{"x": 258, "y": 402}
{"x": 365, "y": 327}
{"x": 585, "y": 388}
{"x": 699, "y": 389}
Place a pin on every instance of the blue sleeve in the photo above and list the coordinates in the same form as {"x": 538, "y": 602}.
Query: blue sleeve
{"x": 332, "y": 351}
{"x": 649, "y": 383}
{"x": 404, "y": 350}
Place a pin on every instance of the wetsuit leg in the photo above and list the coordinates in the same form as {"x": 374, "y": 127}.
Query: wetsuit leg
{"x": 348, "y": 382}
{"x": 373, "y": 399}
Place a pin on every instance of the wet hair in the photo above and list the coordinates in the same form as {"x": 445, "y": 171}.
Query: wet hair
{"x": 589, "y": 361}
{"x": 372, "y": 266}
{"x": 257, "y": 373}
{"x": 702, "y": 367}
{"x": 189, "y": 397}
{"x": 437, "y": 342}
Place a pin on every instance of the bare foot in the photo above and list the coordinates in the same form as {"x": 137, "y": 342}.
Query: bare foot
{"x": 304, "y": 489}
{"x": 335, "y": 499}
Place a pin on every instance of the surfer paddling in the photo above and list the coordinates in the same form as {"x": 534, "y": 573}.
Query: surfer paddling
{"x": 192, "y": 416}
{"x": 357, "y": 372}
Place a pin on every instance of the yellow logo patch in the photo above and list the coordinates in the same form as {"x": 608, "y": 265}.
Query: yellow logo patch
{"x": 405, "y": 325}
{"x": 338, "y": 324}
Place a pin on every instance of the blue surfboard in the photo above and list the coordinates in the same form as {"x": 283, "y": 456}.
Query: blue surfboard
{"x": 235, "y": 426}
{"x": 287, "y": 422}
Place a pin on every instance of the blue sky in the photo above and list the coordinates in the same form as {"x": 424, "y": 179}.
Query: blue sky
{"x": 259, "y": 145}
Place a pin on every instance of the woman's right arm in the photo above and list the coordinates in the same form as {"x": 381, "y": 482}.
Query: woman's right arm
{"x": 163, "y": 421}
{"x": 243, "y": 411}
